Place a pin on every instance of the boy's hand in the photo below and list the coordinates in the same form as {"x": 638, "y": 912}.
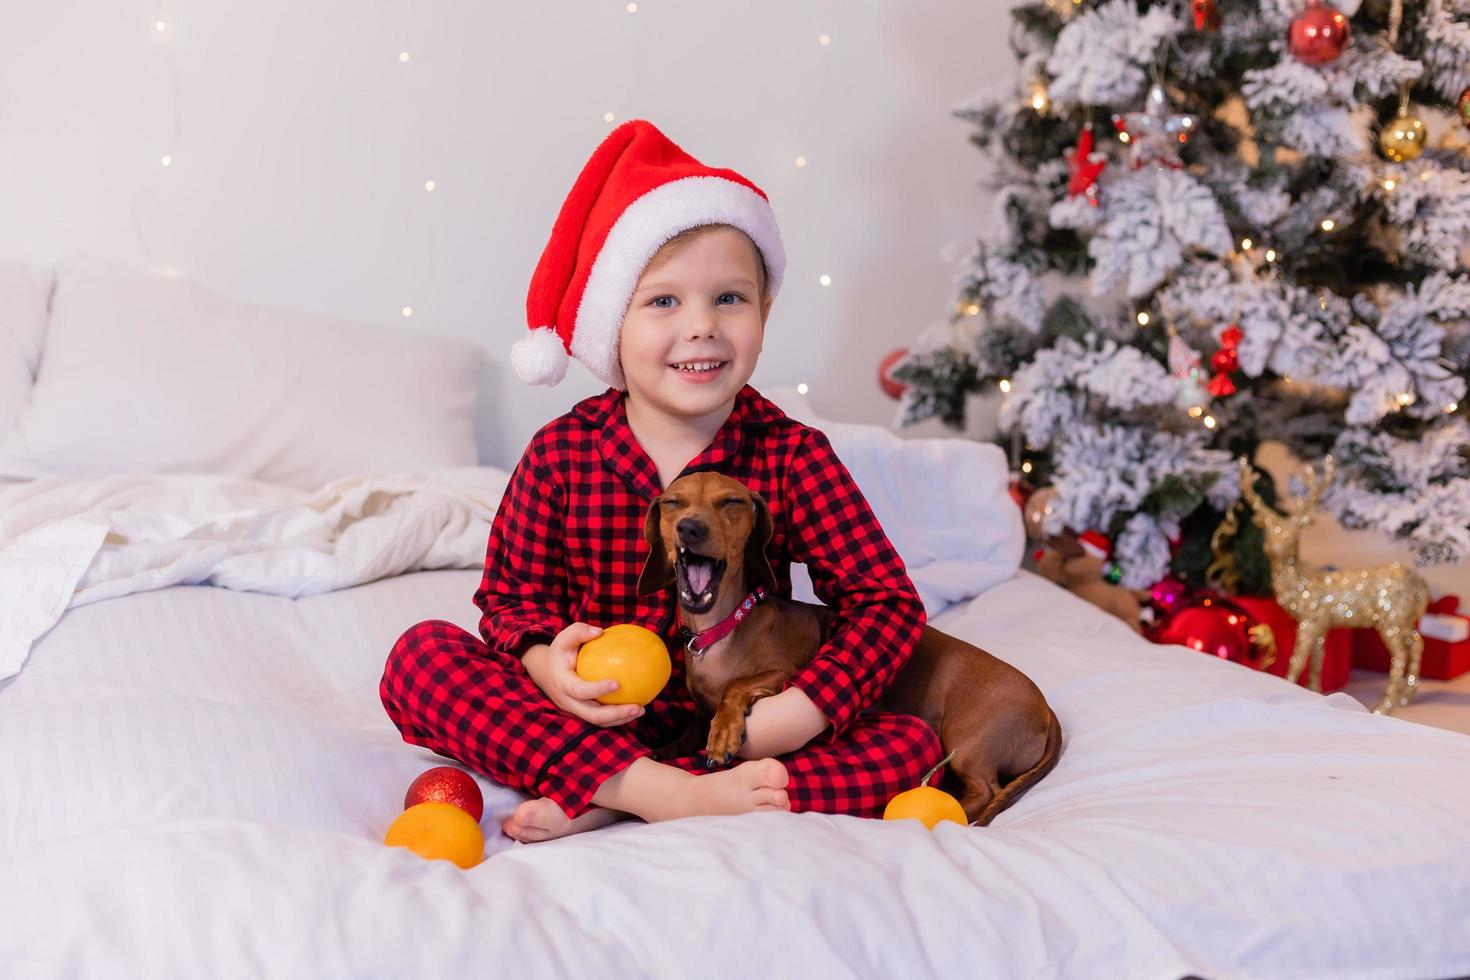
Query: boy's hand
{"x": 554, "y": 669}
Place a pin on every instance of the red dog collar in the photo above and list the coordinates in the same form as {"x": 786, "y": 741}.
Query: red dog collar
{"x": 717, "y": 632}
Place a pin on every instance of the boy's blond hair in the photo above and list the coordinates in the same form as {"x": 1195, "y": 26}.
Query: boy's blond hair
{"x": 689, "y": 234}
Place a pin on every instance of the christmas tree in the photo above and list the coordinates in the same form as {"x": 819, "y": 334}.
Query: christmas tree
{"x": 1219, "y": 223}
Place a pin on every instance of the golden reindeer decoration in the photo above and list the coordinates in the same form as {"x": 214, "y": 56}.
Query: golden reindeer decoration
{"x": 1389, "y": 598}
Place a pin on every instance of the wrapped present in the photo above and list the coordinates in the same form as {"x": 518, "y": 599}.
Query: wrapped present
{"x": 1446, "y": 633}
{"x": 1337, "y": 656}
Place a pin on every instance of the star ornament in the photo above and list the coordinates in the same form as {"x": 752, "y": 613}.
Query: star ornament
{"x": 1155, "y": 134}
{"x": 1086, "y": 166}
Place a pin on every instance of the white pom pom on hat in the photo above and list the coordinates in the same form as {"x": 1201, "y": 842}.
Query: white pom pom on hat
{"x": 636, "y": 192}
{"x": 539, "y": 358}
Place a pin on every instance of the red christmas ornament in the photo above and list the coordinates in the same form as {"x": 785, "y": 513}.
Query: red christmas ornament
{"x": 1318, "y": 34}
{"x": 1096, "y": 544}
{"x": 1219, "y": 627}
{"x": 893, "y": 389}
{"x": 1225, "y": 362}
{"x": 1086, "y": 166}
{"x": 1206, "y": 15}
{"x": 1020, "y": 491}
{"x": 446, "y": 784}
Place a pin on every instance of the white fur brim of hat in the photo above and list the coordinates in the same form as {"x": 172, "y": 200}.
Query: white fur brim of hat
{"x": 634, "y": 239}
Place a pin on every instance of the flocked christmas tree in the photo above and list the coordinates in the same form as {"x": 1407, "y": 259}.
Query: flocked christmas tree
{"x": 1222, "y": 222}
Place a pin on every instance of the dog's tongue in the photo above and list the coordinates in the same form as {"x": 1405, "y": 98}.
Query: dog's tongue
{"x": 698, "y": 573}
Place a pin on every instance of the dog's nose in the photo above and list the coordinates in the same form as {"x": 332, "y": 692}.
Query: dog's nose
{"x": 690, "y": 531}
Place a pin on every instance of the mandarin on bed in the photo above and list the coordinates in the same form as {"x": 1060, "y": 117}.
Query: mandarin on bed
{"x": 438, "y": 830}
{"x": 447, "y": 784}
{"x": 927, "y": 804}
{"x": 634, "y": 656}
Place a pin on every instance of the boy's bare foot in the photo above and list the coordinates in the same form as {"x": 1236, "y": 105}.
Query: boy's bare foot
{"x": 544, "y": 819}
{"x": 759, "y": 784}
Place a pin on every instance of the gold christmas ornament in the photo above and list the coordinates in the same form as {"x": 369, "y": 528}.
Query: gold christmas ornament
{"x": 1402, "y": 138}
{"x": 1389, "y": 598}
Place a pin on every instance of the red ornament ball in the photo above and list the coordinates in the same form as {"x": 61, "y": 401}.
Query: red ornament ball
{"x": 1225, "y": 360}
{"x": 446, "y": 784}
{"x": 1318, "y": 34}
{"x": 893, "y": 389}
{"x": 1219, "y": 628}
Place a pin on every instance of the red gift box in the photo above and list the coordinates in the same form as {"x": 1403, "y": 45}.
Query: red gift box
{"x": 1443, "y": 659}
{"x": 1337, "y": 655}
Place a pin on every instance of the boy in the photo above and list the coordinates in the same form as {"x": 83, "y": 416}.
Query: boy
{"x": 659, "y": 276}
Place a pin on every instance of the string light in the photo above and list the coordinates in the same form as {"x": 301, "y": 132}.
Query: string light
{"x": 632, "y": 8}
{"x": 1245, "y": 244}
{"x": 1389, "y": 183}
{"x": 801, "y": 161}
{"x": 428, "y": 185}
{"x": 607, "y": 117}
{"x": 972, "y": 310}
{"x": 403, "y": 56}
{"x": 823, "y": 40}
{"x": 408, "y": 311}
{"x": 1143, "y": 318}
{"x": 1196, "y": 411}
{"x": 1424, "y": 175}
{"x": 825, "y": 280}
{"x": 159, "y": 26}
{"x": 1270, "y": 255}
{"x": 1450, "y": 408}
{"x": 1039, "y": 97}
{"x": 801, "y": 388}
{"x": 1209, "y": 421}
{"x": 167, "y": 161}
{"x": 1005, "y": 384}
{"x": 1406, "y": 398}
{"x": 1327, "y": 225}
{"x": 1026, "y": 466}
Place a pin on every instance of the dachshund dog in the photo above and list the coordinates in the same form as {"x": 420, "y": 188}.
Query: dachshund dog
{"x": 707, "y": 536}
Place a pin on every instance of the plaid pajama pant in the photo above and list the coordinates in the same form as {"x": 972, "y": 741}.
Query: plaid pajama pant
{"x": 446, "y": 690}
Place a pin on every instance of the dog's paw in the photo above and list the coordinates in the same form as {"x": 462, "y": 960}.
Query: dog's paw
{"x": 725, "y": 739}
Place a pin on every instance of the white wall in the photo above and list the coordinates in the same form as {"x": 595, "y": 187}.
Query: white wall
{"x": 300, "y": 146}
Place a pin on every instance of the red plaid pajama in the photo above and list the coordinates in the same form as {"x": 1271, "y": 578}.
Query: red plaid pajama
{"x": 567, "y": 546}
{"x": 449, "y": 692}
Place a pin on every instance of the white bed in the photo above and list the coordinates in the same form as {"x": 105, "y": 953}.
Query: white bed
{"x": 195, "y": 778}
{"x": 197, "y": 781}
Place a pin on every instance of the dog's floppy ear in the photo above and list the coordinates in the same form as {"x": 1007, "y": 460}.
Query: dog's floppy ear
{"x": 657, "y": 574}
{"x": 757, "y": 568}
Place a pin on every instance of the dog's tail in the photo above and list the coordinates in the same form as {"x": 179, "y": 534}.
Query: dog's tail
{"x": 1012, "y": 790}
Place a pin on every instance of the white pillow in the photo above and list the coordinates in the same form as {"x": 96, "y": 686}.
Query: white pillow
{"x": 24, "y": 291}
{"x": 149, "y": 374}
{"x": 943, "y": 503}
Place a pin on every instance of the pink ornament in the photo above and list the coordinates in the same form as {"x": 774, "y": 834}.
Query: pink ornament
{"x": 1166, "y": 594}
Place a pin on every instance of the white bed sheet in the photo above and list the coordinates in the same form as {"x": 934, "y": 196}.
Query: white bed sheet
{"x": 196, "y": 782}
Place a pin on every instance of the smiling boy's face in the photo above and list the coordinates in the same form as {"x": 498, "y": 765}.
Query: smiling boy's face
{"x": 697, "y": 302}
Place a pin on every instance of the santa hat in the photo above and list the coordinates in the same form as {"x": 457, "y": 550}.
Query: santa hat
{"x": 1095, "y": 544}
{"x": 636, "y": 192}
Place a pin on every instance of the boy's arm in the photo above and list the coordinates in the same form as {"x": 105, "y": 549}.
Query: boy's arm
{"x": 855, "y": 570}
{"x": 523, "y": 594}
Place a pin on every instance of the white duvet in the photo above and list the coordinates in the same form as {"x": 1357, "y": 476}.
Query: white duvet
{"x": 195, "y": 781}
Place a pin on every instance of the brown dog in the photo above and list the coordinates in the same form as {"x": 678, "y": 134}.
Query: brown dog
{"x": 1002, "y": 732}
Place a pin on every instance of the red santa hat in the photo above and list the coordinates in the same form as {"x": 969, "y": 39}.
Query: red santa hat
{"x": 636, "y": 192}
{"x": 1095, "y": 544}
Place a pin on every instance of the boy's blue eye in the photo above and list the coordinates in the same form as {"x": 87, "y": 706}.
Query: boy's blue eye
{"x": 657, "y": 301}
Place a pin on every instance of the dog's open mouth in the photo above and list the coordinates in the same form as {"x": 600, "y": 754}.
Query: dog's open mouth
{"x": 698, "y": 577}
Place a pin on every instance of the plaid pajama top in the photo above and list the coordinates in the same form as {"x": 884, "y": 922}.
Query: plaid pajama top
{"x": 567, "y": 543}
